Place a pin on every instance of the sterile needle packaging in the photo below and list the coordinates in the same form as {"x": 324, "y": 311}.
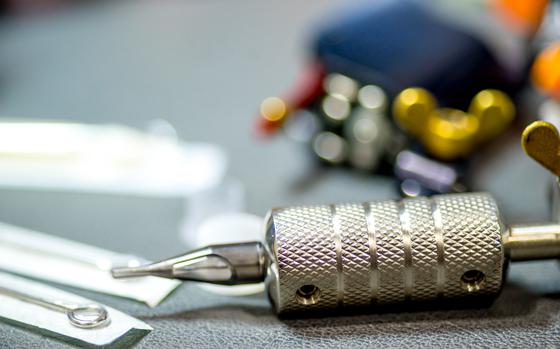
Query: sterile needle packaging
{"x": 75, "y": 264}
{"x": 119, "y": 330}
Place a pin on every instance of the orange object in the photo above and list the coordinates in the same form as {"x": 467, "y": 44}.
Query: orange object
{"x": 524, "y": 16}
{"x": 274, "y": 111}
{"x": 546, "y": 71}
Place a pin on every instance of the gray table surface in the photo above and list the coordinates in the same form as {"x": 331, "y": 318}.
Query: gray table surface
{"x": 204, "y": 66}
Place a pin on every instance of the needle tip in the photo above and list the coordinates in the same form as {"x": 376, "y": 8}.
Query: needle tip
{"x": 124, "y": 272}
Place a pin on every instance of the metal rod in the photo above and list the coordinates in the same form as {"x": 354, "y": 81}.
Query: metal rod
{"x": 531, "y": 242}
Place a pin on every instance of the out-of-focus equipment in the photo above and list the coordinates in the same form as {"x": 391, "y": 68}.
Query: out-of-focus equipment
{"x": 546, "y": 71}
{"x": 449, "y": 133}
{"x": 82, "y": 159}
{"x": 106, "y": 158}
{"x": 396, "y": 59}
{"x": 355, "y": 129}
{"x": 545, "y": 75}
{"x": 342, "y": 109}
{"x": 421, "y": 175}
{"x": 275, "y": 111}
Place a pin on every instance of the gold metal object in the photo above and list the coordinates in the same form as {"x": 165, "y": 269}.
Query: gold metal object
{"x": 274, "y": 109}
{"x": 450, "y": 133}
{"x": 494, "y": 110}
{"x": 541, "y": 141}
{"x": 412, "y": 108}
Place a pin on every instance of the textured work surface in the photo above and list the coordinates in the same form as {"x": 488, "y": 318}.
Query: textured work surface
{"x": 204, "y": 65}
{"x": 387, "y": 252}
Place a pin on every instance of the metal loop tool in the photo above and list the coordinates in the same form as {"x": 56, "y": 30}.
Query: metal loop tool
{"x": 85, "y": 316}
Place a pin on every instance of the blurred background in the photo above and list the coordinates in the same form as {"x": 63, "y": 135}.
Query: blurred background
{"x": 196, "y": 72}
{"x": 203, "y": 67}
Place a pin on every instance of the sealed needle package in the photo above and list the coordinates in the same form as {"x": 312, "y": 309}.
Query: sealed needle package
{"x": 64, "y": 315}
{"x": 75, "y": 264}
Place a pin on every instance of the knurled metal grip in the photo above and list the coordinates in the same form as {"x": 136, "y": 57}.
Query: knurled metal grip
{"x": 360, "y": 254}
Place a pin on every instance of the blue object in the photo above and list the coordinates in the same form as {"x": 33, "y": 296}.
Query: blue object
{"x": 400, "y": 44}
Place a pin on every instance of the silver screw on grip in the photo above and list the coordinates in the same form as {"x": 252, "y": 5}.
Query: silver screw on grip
{"x": 324, "y": 257}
